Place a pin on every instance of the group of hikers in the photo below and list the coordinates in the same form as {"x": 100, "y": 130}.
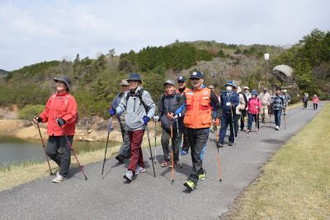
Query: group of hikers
{"x": 186, "y": 116}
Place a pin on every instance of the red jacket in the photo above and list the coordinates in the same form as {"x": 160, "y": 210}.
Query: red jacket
{"x": 315, "y": 99}
{"x": 254, "y": 105}
{"x": 60, "y": 105}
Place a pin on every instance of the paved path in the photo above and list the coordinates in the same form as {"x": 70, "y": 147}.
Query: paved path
{"x": 148, "y": 197}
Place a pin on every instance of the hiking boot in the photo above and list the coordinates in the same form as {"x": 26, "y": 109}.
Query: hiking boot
{"x": 230, "y": 143}
{"x": 59, "y": 178}
{"x": 120, "y": 158}
{"x": 184, "y": 152}
{"x": 139, "y": 170}
{"x": 129, "y": 176}
{"x": 201, "y": 176}
{"x": 189, "y": 184}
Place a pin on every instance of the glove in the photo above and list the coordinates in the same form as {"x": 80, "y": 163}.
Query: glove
{"x": 177, "y": 116}
{"x": 60, "y": 122}
{"x": 145, "y": 119}
{"x": 156, "y": 118}
{"x": 112, "y": 111}
{"x": 37, "y": 119}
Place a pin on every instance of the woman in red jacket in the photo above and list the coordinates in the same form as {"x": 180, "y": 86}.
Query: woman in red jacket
{"x": 60, "y": 114}
{"x": 253, "y": 108}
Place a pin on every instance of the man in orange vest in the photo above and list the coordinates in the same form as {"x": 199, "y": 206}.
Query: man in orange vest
{"x": 198, "y": 121}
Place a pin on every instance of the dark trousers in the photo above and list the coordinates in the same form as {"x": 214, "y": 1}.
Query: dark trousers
{"x": 197, "y": 139}
{"x": 226, "y": 120}
{"x": 277, "y": 115}
{"x": 305, "y": 104}
{"x": 166, "y": 138}
{"x": 183, "y": 132}
{"x": 136, "y": 150}
{"x": 315, "y": 105}
{"x": 255, "y": 118}
{"x": 125, "y": 149}
{"x": 236, "y": 119}
{"x": 243, "y": 119}
{"x": 58, "y": 150}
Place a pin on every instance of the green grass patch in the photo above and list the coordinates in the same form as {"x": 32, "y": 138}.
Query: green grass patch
{"x": 28, "y": 111}
{"x": 296, "y": 182}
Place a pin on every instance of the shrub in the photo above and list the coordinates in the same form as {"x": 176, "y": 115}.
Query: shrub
{"x": 28, "y": 111}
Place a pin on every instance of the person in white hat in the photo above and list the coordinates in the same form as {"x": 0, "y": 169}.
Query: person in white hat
{"x": 124, "y": 151}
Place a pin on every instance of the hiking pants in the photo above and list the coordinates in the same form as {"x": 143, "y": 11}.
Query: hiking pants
{"x": 125, "y": 149}
{"x": 305, "y": 104}
{"x": 197, "y": 139}
{"x": 183, "y": 132}
{"x": 264, "y": 113}
{"x": 225, "y": 121}
{"x": 166, "y": 136}
{"x": 278, "y": 115}
{"x": 135, "y": 138}
{"x": 58, "y": 150}
{"x": 253, "y": 117}
{"x": 243, "y": 119}
{"x": 236, "y": 119}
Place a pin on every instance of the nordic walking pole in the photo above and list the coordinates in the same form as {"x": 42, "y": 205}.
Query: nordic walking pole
{"x": 71, "y": 148}
{"x": 218, "y": 155}
{"x": 43, "y": 146}
{"x": 284, "y": 115}
{"x": 106, "y": 145}
{"x": 155, "y": 141}
{"x": 172, "y": 153}
{"x": 152, "y": 158}
{"x": 181, "y": 142}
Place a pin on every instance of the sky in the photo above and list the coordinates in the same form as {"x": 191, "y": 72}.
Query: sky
{"x": 42, "y": 30}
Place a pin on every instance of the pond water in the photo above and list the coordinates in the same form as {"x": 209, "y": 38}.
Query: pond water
{"x": 14, "y": 150}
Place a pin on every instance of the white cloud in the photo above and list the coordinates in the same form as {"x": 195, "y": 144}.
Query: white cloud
{"x": 37, "y": 30}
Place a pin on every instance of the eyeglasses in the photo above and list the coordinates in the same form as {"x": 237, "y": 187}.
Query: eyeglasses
{"x": 133, "y": 81}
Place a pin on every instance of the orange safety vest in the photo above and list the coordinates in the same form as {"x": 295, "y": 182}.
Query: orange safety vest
{"x": 198, "y": 108}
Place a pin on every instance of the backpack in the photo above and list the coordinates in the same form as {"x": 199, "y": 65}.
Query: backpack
{"x": 139, "y": 95}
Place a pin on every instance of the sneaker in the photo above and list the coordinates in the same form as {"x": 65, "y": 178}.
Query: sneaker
{"x": 184, "y": 152}
{"x": 164, "y": 163}
{"x": 189, "y": 184}
{"x": 201, "y": 176}
{"x": 58, "y": 179}
{"x": 129, "y": 175}
{"x": 230, "y": 143}
{"x": 120, "y": 158}
{"x": 219, "y": 145}
{"x": 277, "y": 127}
{"x": 139, "y": 170}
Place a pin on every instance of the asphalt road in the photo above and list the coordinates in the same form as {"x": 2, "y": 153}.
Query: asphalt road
{"x": 147, "y": 197}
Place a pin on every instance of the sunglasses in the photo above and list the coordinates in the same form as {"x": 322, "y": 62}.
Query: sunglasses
{"x": 133, "y": 81}
{"x": 194, "y": 78}
{"x": 180, "y": 82}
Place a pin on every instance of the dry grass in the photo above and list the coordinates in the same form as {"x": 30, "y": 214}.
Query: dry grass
{"x": 296, "y": 183}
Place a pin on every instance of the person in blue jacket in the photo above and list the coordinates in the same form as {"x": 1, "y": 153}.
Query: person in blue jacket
{"x": 229, "y": 100}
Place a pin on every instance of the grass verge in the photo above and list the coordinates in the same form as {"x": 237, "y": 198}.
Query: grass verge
{"x": 17, "y": 174}
{"x": 295, "y": 183}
